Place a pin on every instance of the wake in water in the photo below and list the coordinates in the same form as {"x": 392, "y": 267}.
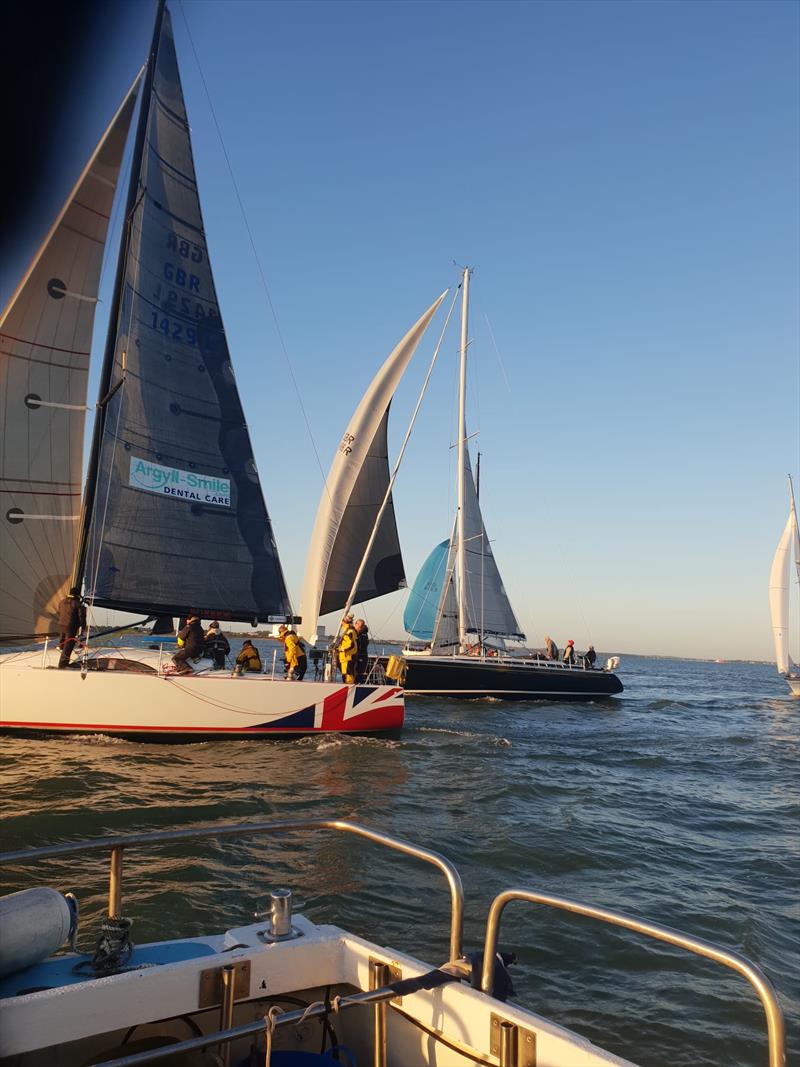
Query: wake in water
{"x": 502, "y": 742}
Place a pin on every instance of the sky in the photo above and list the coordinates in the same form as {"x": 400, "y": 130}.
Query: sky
{"x": 622, "y": 177}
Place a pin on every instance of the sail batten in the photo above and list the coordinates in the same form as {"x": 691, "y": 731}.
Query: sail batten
{"x": 178, "y": 520}
{"x": 45, "y": 341}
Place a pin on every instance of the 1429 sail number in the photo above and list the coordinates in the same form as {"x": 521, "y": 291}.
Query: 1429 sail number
{"x": 178, "y": 331}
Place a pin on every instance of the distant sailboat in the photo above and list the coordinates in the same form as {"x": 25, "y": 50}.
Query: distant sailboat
{"x": 173, "y": 520}
{"x": 779, "y": 580}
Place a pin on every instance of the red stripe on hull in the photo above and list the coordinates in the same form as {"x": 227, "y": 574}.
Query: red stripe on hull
{"x": 391, "y": 720}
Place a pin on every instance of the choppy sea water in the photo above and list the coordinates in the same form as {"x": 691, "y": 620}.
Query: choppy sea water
{"x": 678, "y": 802}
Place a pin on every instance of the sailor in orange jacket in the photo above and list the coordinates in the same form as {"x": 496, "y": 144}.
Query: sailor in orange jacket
{"x": 295, "y": 653}
{"x": 347, "y": 650}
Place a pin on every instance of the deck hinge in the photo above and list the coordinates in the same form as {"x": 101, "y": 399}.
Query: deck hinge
{"x": 210, "y": 994}
{"x": 395, "y": 975}
{"x": 513, "y": 1045}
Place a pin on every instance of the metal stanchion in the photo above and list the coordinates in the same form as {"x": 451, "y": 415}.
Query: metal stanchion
{"x": 226, "y": 1013}
{"x": 380, "y": 976}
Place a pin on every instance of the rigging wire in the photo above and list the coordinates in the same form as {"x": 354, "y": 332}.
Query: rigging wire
{"x": 497, "y": 353}
{"x": 255, "y": 254}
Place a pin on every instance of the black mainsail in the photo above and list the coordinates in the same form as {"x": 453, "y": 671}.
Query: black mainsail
{"x": 177, "y": 522}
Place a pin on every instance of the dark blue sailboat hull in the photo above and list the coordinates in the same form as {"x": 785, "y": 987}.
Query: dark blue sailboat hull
{"x": 465, "y": 677}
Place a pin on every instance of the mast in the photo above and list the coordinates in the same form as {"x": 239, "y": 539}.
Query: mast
{"x": 462, "y": 472}
{"x": 90, "y": 489}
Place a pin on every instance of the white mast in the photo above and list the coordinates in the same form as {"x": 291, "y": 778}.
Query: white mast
{"x": 462, "y": 464}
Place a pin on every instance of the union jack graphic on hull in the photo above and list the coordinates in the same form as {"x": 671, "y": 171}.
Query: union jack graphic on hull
{"x": 353, "y": 708}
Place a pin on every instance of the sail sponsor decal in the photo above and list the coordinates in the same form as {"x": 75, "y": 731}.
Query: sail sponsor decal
{"x": 183, "y": 485}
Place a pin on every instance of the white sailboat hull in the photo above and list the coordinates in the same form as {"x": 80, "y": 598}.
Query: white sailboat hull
{"x": 793, "y": 681}
{"x": 141, "y": 700}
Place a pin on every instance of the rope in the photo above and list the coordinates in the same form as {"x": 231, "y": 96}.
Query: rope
{"x": 113, "y": 949}
{"x": 269, "y": 1029}
{"x": 255, "y": 254}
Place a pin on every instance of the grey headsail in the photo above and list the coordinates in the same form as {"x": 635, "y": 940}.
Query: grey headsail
{"x": 45, "y": 337}
{"x": 178, "y": 520}
{"x": 384, "y": 570}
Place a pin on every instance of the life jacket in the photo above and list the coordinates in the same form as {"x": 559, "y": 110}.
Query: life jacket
{"x": 295, "y": 650}
{"x": 348, "y": 643}
{"x": 249, "y": 658}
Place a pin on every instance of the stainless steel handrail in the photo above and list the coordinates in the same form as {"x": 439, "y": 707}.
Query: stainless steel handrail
{"x": 117, "y": 845}
{"x": 754, "y": 975}
{"x": 252, "y": 1029}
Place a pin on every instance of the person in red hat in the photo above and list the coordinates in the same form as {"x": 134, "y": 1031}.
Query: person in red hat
{"x": 569, "y": 653}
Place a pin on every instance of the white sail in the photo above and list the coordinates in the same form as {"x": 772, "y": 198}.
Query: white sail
{"x": 487, "y": 609}
{"x": 788, "y": 545}
{"x": 445, "y": 632}
{"x": 45, "y": 337}
{"x": 352, "y": 496}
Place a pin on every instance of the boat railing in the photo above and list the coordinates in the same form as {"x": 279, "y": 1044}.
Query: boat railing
{"x": 116, "y": 846}
{"x": 514, "y": 661}
{"x": 754, "y": 975}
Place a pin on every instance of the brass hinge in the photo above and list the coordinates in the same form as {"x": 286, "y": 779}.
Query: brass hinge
{"x": 210, "y": 994}
{"x": 513, "y": 1046}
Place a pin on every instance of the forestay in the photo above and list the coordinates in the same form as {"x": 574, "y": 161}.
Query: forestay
{"x": 354, "y": 491}
{"x": 179, "y": 519}
{"x": 45, "y": 337}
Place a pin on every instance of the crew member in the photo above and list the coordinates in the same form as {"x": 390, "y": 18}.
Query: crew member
{"x": 569, "y": 653}
{"x": 216, "y": 646}
{"x": 347, "y": 649}
{"x": 362, "y": 650}
{"x": 294, "y": 653}
{"x": 590, "y": 657}
{"x": 191, "y": 640}
{"x": 249, "y": 659}
{"x": 550, "y": 647}
{"x": 71, "y": 621}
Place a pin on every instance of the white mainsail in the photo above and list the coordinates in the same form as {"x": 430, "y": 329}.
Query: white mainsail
{"x": 45, "y": 337}
{"x": 445, "y": 631}
{"x": 352, "y": 497}
{"x": 487, "y": 609}
{"x": 788, "y": 546}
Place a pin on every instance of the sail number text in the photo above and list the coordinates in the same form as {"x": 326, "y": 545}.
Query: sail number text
{"x": 185, "y": 249}
{"x": 178, "y": 331}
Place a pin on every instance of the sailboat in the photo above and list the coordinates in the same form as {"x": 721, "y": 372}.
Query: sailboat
{"x": 788, "y": 547}
{"x": 172, "y": 520}
{"x": 458, "y": 605}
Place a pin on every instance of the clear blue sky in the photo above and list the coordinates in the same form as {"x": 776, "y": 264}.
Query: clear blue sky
{"x": 624, "y": 178}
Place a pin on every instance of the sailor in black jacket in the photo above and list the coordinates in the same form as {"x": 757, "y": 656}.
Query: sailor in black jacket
{"x": 71, "y": 621}
{"x": 191, "y": 640}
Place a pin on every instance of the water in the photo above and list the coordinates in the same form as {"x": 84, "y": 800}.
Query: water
{"x": 678, "y": 802}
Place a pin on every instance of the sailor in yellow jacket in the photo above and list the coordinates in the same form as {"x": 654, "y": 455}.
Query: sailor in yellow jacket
{"x": 347, "y": 650}
{"x": 294, "y": 653}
